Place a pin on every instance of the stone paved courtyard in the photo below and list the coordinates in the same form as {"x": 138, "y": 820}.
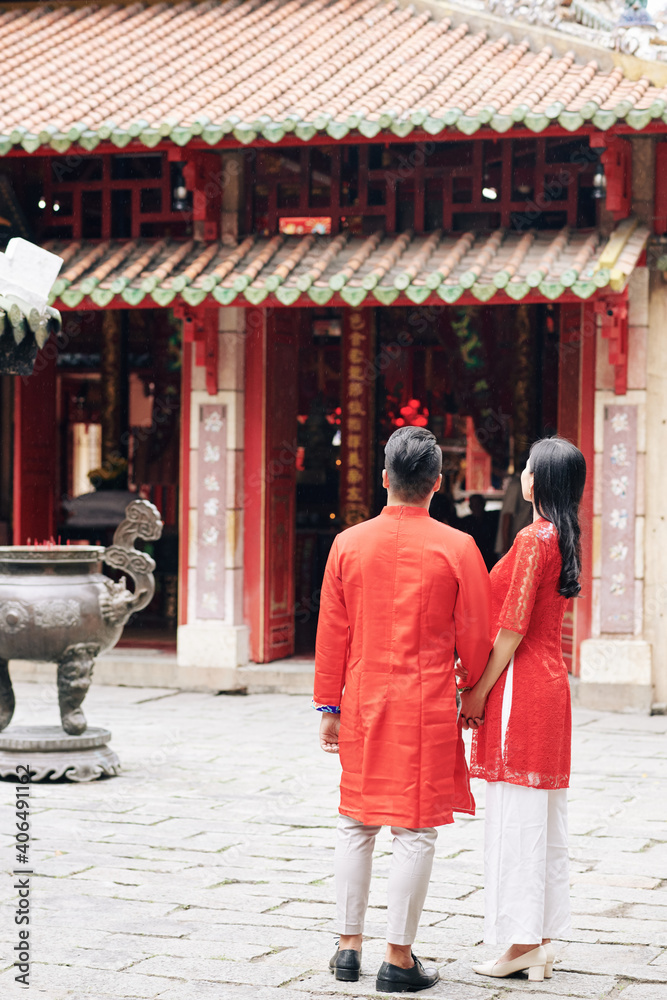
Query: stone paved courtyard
{"x": 204, "y": 871}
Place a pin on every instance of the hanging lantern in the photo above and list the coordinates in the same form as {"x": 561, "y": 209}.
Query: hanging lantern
{"x": 179, "y": 193}
{"x": 599, "y": 183}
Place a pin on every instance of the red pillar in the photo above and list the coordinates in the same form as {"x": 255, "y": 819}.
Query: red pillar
{"x": 576, "y": 406}
{"x": 270, "y": 480}
{"x": 587, "y": 446}
{"x": 35, "y": 440}
{"x": 184, "y": 485}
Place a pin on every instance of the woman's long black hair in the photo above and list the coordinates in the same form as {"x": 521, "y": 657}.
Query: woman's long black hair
{"x": 559, "y": 469}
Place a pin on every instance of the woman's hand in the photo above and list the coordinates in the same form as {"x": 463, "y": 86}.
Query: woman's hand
{"x": 329, "y": 729}
{"x": 473, "y": 703}
{"x": 460, "y": 672}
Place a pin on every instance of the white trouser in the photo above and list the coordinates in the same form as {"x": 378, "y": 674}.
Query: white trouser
{"x": 409, "y": 876}
{"x": 526, "y": 864}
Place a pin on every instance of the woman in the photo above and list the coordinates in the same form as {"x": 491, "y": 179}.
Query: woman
{"x": 520, "y": 711}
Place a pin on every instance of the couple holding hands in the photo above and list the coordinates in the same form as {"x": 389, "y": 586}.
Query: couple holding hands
{"x": 403, "y": 597}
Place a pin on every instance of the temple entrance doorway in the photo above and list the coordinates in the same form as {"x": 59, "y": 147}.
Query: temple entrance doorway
{"x": 318, "y": 463}
{"x": 484, "y": 380}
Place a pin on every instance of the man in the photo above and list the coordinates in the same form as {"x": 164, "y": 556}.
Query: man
{"x": 483, "y": 526}
{"x": 443, "y": 508}
{"x": 401, "y": 592}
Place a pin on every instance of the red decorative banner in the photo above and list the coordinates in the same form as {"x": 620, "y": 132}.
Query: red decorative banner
{"x": 619, "y": 477}
{"x": 357, "y": 432}
{"x": 211, "y": 466}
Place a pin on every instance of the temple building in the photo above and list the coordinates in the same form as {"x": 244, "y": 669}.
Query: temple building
{"x": 290, "y": 227}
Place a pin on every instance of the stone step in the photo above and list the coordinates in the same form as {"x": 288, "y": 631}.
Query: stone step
{"x": 159, "y": 668}
{"x": 292, "y": 676}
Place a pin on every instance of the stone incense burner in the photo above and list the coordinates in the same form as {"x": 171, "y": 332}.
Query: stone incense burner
{"x": 56, "y": 605}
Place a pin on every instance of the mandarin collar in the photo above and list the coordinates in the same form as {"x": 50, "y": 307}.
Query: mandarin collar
{"x": 403, "y": 510}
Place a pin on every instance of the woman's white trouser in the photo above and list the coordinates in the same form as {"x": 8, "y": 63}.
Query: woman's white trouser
{"x": 526, "y": 864}
{"x": 409, "y": 876}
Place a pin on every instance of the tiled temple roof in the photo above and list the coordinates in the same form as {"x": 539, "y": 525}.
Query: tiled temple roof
{"x": 315, "y": 270}
{"x": 249, "y": 68}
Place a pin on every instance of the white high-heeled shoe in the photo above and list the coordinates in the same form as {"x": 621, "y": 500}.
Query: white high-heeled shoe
{"x": 534, "y": 961}
{"x": 551, "y": 958}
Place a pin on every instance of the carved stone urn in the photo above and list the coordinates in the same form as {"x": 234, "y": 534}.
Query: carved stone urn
{"x": 57, "y": 605}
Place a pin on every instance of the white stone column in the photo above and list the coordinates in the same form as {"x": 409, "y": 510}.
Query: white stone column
{"x": 655, "y": 593}
{"x": 210, "y": 649}
{"x": 616, "y": 672}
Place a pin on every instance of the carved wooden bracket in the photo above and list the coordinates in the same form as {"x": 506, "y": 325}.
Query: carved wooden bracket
{"x": 617, "y": 163}
{"x": 202, "y": 172}
{"x": 614, "y": 325}
{"x": 200, "y": 327}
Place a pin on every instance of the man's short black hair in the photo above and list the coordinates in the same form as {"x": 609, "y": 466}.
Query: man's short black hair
{"x": 413, "y": 461}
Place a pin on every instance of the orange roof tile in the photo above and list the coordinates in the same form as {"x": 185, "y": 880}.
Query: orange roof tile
{"x": 312, "y": 270}
{"x": 268, "y": 67}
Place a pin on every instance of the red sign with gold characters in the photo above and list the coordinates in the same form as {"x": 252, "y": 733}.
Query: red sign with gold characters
{"x": 357, "y": 430}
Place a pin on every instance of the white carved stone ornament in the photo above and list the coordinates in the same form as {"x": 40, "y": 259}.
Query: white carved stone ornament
{"x": 27, "y": 275}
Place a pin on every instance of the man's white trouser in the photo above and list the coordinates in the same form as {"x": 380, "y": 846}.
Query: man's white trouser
{"x": 409, "y": 876}
{"x": 526, "y": 864}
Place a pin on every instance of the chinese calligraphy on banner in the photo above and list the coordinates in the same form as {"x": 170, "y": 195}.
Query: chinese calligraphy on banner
{"x": 619, "y": 474}
{"x": 211, "y": 517}
{"x": 358, "y": 387}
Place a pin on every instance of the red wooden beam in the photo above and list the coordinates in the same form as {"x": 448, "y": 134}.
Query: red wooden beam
{"x": 614, "y": 320}
{"x": 617, "y": 162}
{"x": 203, "y": 177}
{"x": 200, "y": 327}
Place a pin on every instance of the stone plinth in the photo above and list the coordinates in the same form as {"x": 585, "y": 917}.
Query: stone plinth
{"x": 50, "y": 753}
{"x": 615, "y": 675}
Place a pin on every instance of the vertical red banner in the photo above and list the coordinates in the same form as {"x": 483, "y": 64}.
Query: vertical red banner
{"x": 358, "y": 397}
{"x": 211, "y": 525}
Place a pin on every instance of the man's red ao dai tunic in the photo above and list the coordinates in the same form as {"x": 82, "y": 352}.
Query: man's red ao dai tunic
{"x": 401, "y": 592}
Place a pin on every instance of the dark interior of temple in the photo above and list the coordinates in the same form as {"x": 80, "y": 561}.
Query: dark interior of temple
{"x": 435, "y": 367}
{"x": 118, "y": 406}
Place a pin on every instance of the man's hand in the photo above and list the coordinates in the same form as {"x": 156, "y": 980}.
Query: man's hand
{"x": 473, "y": 703}
{"x": 329, "y": 729}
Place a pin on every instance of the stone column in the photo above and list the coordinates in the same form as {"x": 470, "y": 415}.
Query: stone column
{"x": 213, "y": 640}
{"x": 616, "y": 667}
{"x": 618, "y": 671}
{"x": 655, "y": 591}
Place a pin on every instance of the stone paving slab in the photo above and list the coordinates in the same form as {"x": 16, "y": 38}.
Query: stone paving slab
{"x": 205, "y": 869}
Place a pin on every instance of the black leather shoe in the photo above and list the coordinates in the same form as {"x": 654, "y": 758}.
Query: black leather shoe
{"x": 346, "y": 965}
{"x": 393, "y": 979}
